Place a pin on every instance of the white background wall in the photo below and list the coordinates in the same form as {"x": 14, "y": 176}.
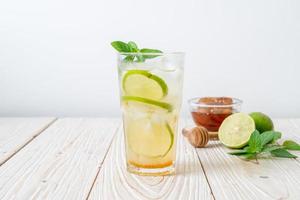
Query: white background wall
{"x": 56, "y": 59}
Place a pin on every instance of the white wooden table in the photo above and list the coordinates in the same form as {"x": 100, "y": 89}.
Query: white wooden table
{"x": 71, "y": 158}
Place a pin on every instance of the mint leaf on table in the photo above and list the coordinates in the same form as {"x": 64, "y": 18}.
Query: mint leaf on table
{"x": 282, "y": 153}
{"x": 249, "y": 156}
{"x": 238, "y": 152}
{"x": 291, "y": 145}
{"x": 263, "y": 144}
{"x": 267, "y": 137}
{"x": 271, "y": 148}
{"x": 277, "y": 135}
{"x": 255, "y": 143}
{"x": 132, "y": 47}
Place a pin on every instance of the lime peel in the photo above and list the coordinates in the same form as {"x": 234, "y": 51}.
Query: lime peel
{"x": 160, "y": 104}
{"x": 262, "y": 122}
{"x": 172, "y": 138}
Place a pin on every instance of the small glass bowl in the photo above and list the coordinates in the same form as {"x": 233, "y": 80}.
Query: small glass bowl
{"x": 210, "y": 112}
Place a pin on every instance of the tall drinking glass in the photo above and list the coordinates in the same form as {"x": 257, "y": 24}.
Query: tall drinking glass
{"x": 150, "y": 93}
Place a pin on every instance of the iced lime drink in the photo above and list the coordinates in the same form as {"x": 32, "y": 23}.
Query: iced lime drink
{"x": 151, "y": 91}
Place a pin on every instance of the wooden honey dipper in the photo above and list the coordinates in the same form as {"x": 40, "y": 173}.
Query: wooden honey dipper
{"x": 199, "y": 136}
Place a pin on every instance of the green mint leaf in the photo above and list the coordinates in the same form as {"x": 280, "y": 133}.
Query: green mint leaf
{"x": 271, "y": 148}
{"x": 133, "y": 47}
{"x": 282, "y": 153}
{"x": 255, "y": 143}
{"x": 129, "y": 58}
{"x": 291, "y": 145}
{"x": 267, "y": 137}
{"x": 249, "y": 156}
{"x": 246, "y": 148}
{"x": 277, "y": 135}
{"x": 238, "y": 152}
{"x": 121, "y": 46}
{"x": 150, "y": 51}
{"x": 140, "y": 58}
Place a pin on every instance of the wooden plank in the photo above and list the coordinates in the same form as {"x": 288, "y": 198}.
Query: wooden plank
{"x": 114, "y": 182}
{"x": 15, "y": 133}
{"x": 233, "y": 178}
{"x": 61, "y": 163}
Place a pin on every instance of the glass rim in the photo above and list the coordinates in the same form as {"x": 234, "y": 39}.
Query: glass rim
{"x": 151, "y": 54}
{"x": 194, "y": 102}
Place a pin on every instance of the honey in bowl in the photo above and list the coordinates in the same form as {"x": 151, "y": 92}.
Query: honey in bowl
{"x": 210, "y": 112}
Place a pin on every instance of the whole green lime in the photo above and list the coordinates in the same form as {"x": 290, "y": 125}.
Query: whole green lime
{"x": 262, "y": 122}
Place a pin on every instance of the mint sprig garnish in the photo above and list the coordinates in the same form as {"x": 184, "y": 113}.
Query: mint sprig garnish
{"x": 291, "y": 145}
{"x": 264, "y": 144}
{"x": 150, "y": 51}
{"x": 121, "y": 46}
{"x": 283, "y": 153}
{"x": 131, "y": 47}
{"x": 255, "y": 143}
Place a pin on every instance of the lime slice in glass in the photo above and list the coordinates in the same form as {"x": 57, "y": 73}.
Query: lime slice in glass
{"x": 151, "y": 104}
{"x": 235, "y": 131}
{"x": 144, "y": 84}
{"x": 149, "y": 137}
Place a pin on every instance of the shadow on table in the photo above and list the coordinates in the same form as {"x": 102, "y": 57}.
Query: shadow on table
{"x": 193, "y": 165}
{"x": 185, "y": 169}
